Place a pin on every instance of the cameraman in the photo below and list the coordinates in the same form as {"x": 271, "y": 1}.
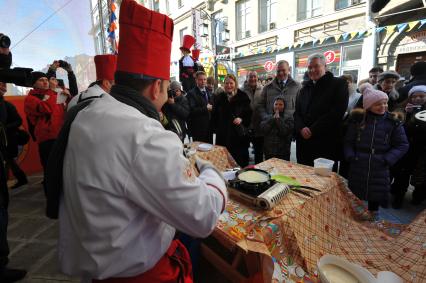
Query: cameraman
{"x": 6, "y": 274}
{"x": 176, "y": 110}
{"x": 73, "y": 89}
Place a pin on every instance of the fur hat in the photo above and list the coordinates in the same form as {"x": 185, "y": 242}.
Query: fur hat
{"x": 371, "y": 95}
{"x": 175, "y": 85}
{"x": 37, "y": 75}
{"x": 387, "y": 75}
{"x": 417, "y": 88}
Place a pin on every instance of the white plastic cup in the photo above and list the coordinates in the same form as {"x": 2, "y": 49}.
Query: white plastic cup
{"x": 323, "y": 166}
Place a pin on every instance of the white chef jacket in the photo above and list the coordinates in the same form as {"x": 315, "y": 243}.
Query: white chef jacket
{"x": 127, "y": 186}
{"x": 93, "y": 91}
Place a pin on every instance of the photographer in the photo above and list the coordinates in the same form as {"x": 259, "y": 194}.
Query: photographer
{"x": 6, "y": 274}
{"x": 71, "y": 76}
{"x": 176, "y": 110}
{"x": 45, "y": 115}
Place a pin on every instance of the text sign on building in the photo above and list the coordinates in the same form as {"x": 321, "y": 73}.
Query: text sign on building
{"x": 269, "y": 66}
{"x": 330, "y": 56}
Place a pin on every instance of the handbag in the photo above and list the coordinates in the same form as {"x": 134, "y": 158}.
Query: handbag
{"x": 22, "y": 137}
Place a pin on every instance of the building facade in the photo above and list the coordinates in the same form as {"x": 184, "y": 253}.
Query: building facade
{"x": 242, "y": 35}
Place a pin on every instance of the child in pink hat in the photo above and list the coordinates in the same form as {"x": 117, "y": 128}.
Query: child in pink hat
{"x": 375, "y": 141}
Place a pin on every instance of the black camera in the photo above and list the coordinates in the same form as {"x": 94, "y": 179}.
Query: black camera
{"x": 17, "y": 76}
{"x": 171, "y": 93}
{"x": 4, "y": 41}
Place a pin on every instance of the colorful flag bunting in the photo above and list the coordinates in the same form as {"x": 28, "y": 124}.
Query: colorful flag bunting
{"x": 112, "y": 28}
{"x": 411, "y": 25}
{"x": 401, "y": 27}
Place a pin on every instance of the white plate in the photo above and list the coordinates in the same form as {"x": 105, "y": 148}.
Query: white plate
{"x": 360, "y": 273}
{"x": 204, "y": 147}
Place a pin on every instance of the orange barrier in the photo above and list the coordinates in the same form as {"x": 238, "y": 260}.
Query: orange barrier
{"x": 28, "y": 157}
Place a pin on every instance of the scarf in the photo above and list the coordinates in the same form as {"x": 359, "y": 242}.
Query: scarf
{"x": 131, "y": 97}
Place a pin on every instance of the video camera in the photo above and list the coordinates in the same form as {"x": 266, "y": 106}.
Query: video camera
{"x": 17, "y": 76}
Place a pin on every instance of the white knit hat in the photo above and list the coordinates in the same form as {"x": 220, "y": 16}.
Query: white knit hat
{"x": 417, "y": 88}
{"x": 371, "y": 95}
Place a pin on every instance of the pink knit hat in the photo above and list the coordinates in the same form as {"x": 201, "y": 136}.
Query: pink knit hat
{"x": 371, "y": 95}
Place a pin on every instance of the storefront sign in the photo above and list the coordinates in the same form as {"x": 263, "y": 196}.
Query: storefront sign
{"x": 330, "y": 56}
{"x": 269, "y": 66}
{"x": 412, "y": 44}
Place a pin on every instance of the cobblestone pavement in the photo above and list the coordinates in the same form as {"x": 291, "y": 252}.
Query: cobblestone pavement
{"x": 32, "y": 236}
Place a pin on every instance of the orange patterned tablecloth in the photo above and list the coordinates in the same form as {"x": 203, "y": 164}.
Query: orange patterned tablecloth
{"x": 297, "y": 232}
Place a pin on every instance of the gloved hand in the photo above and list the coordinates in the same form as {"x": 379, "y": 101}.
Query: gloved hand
{"x": 203, "y": 164}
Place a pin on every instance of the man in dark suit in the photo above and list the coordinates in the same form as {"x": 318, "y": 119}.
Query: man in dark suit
{"x": 201, "y": 105}
{"x": 320, "y": 107}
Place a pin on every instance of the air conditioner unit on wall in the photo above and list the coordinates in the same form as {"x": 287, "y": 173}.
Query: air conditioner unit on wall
{"x": 247, "y": 33}
{"x": 224, "y": 1}
{"x": 271, "y": 25}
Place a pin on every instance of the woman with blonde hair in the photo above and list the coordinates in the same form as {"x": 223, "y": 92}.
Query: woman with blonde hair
{"x": 231, "y": 118}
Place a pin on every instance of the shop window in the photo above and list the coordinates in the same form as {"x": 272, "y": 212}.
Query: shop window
{"x": 308, "y": 9}
{"x": 243, "y": 19}
{"x": 351, "y": 53}
{"x": 267, "y": 15}
{"x": 342, "y": 4}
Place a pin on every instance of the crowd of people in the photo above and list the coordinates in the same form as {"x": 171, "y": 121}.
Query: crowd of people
{"x": 108, "y": 151}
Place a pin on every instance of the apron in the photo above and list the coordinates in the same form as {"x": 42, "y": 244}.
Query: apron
{"x": 174, "y": 267}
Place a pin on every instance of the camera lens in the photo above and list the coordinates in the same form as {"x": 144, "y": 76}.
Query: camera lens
{"x": 4, "y": 41}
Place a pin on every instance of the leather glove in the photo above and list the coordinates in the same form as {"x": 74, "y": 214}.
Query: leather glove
{"x": 203, "y": 164}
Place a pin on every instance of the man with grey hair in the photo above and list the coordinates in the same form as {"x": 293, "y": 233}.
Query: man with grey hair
{"x": 320, "y": 107}
{"x": 283, "y": 85}
{"x": 253, "y": 89}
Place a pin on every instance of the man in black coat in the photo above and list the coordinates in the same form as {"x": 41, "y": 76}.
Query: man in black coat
{"x": 6, "y": 274}
{"x": 200, "y": 104}
{"x": 320, "y": 106}
{"x": 12, "y": 121}
{"x": 418, "y": 77}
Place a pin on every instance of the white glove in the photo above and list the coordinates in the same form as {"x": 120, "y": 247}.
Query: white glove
{"x": 203, "y": 164}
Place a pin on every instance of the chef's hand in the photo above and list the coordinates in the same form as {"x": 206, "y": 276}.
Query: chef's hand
{"x": 237, "y": 121}
{"x": 306, "y": 133}
{"x": 203, "y": 164}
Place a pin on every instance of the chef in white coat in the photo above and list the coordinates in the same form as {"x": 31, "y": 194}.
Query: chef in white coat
{"x": 105, "y": 69}
{"x": 127, "y": 187}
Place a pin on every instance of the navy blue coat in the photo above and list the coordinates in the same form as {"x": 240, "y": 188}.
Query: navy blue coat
{"x": 372, "y": 146}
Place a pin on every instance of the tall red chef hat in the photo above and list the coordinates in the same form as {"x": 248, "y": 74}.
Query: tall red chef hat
{"x": 105, "y": 67}
{"x": 145, "y": 42}
{"x": 196, "y": 54}
{"x": 188, "y": 41}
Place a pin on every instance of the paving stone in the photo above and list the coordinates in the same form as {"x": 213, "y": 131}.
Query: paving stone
{"x": 51, "y": 234}
{"x": 26, "y": 207}
{"x": 28, "y": 228}
{"x": 29, "y": 255}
